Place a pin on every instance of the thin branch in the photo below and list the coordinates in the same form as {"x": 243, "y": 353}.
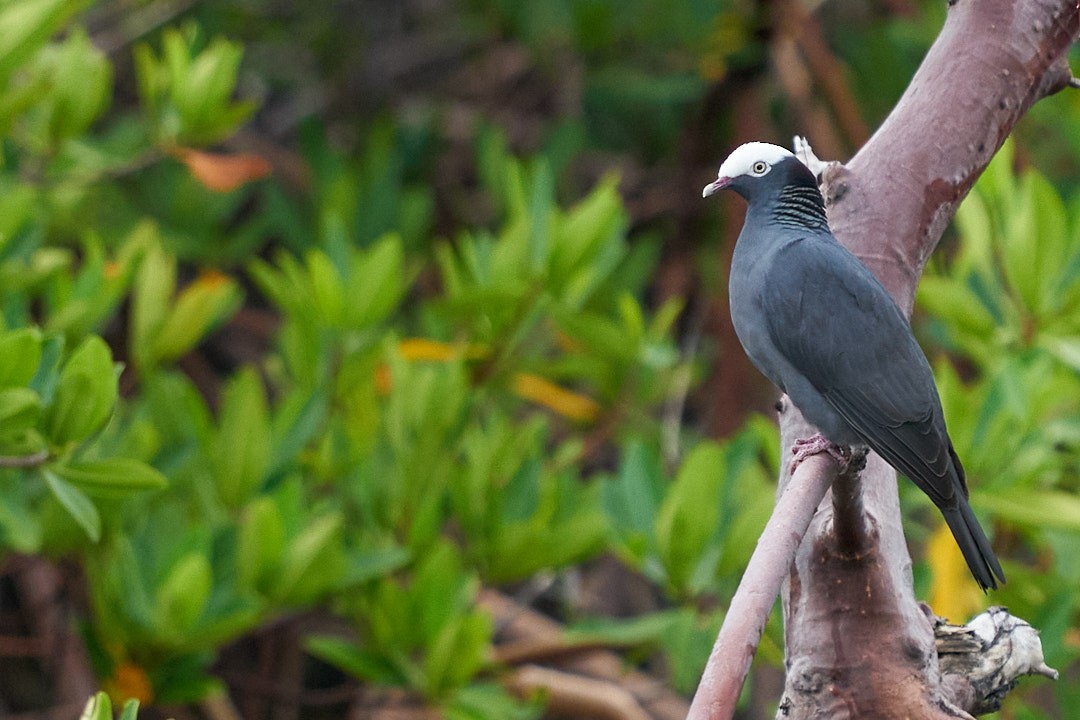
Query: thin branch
{"x": 576, "y": 696}
{"x": 769, "y": 565}
{"x": 24, "y": 461}
{"x": 519, "y": 625}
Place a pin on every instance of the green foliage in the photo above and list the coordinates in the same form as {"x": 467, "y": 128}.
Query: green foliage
{"x": 99, "y": 707}
{"x": 463, "y": 386}
{"x": 1007, "y": 304}
{"x": 187, "y": 91}
{"x": 636, "y": 100}
{"x": 1016, "y": 278}
{"x": 165, "y": 324}
{"x": 689, "y": 533}
{"x": 422, "y": 634}
{"x": 333, "y": 470}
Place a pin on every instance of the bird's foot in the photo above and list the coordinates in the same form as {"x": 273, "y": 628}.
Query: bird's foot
{"x": 818, "y": 443}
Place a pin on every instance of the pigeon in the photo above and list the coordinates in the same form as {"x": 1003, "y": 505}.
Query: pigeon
{"x": 818, "y": 323}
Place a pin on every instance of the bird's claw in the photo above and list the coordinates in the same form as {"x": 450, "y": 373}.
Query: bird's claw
{"x": 818, "y": 443}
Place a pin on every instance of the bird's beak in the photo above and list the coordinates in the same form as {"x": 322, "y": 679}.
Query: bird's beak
{"x": 719, "y": 184}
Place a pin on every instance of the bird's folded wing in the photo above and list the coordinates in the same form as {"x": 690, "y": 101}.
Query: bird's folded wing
{"x": 837, "y": 325}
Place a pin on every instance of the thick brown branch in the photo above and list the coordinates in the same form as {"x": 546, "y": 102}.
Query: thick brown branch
{"x": 992, "y": 61}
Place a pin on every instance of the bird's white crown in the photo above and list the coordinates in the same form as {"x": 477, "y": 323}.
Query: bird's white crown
{"x": 741, "y": 160}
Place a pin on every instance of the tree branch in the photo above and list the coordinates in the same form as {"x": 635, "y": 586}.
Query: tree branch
{"x": 797, "y": 500}
{"x": 992, "y": 61}
{"x": 853, "y": 536}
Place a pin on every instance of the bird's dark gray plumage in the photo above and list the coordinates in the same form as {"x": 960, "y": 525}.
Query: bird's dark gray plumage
{"x": 821, "y": 326}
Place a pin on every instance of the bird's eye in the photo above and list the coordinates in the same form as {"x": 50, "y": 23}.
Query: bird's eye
{"x": 760, "y": 167}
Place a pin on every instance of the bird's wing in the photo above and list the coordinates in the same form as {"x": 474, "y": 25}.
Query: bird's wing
{"x": 836, "y": 324}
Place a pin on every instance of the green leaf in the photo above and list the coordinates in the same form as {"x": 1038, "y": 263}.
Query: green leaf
{"x": 261, "y": 543}
{"x": 488, "y": 701}
{"x": 368, "y": 565}
{"x": 188, "y": 93}
{"x": 632, "y": 499}
{"x": 595, "y": 220}
{"x": 1052, "y": 244}
{"x": 21, "y": 526}
{"x": 152, "y": 293}
{"x": 688, "y": 516}
{"x": 541, "y": 210}
{"x": 1034, "y": 508}
{"x": 687, "y": 646}
{"x": 81, "y": 85}
{"x": 242, "y": 446}
{"x": 376, "y": 283}
{"x": 441, "y": 590}
{"x": 26, "y": 25}
{"x": 85, "y": 395}
{"x": 976, "y": 229}
{"x": 1020, "y": 249}
{"x": 182, "y": 596}
{"x": 600, "y": 335}
{"x": 457, "y": 653}
{"x": 956, "y": 304}
{"x": 20, "y": 354}
{"x": 1065, "y": 349}
{"x": 19, "y": 410}
{"x": 356, "y": 661}
{"x": 130, "y": 711}
{"x": 198, "y": 309}
{"x": 312, "y": 561}
{"x": 327, "y": 288}
{"x": 78, "y": 505}
{"x": 623, "y": 632}
{"x": 112, "y": 477}
{"x": 98, "y": 707}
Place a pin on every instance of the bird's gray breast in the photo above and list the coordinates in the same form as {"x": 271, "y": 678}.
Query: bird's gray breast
{"x": 747, "y": 286}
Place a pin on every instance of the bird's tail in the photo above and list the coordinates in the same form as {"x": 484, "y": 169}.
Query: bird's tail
{"x": 974, "y": 545}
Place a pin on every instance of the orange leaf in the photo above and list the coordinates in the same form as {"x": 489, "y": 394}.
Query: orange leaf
{"x": 212, "y": 278}
{"x": 953, "y": 593}
{"x": 129, "y": 681}
{"x": 384, "y": 379}
{"x": 558, "y": 399}
{"x": 223, "y": 173}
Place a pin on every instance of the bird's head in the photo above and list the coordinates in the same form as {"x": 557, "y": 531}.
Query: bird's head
{"x": 758, "y": 166}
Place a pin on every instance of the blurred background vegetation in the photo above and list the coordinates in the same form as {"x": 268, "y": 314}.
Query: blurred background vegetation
{"x": 371, "y": 358}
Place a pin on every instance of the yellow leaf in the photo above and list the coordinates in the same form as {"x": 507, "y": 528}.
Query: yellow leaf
{"x": 129, "y": 681}
{"x": 424, "y": 349}
{"x": 558, "y": 399}
{"x": 954, "y": 595}
{"x": 433, "y": 350}
{"x": 223, "y": 173}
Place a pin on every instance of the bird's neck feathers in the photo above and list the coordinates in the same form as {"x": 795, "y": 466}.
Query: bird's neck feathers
{"x": 798, "y": 202}
{"x": 801, "y": 206}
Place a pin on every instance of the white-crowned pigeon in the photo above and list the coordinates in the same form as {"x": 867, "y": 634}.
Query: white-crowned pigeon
{"x": 821, "y": 326}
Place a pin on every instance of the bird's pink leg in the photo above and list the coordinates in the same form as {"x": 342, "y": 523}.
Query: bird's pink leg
{"x": 818, "y": 443}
